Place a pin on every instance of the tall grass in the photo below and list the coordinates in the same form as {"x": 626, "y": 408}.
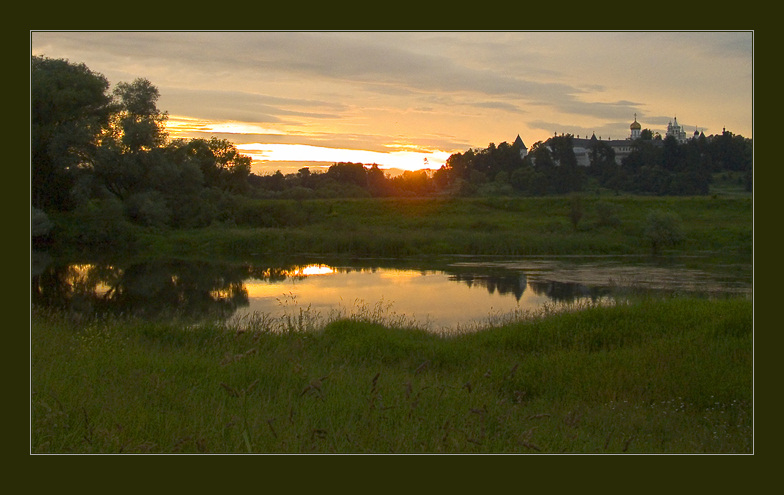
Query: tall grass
{"x": 667, "y": 375}
{"x": 479, "y": 226}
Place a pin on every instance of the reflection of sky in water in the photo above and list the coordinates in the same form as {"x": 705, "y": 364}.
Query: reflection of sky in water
{"x": 466, "y": 292}
{"x": 445, "y": 299}
{"x": 421, "y": 295}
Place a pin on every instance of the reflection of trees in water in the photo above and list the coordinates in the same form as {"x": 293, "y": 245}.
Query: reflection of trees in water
{"x": 151, "y": 289}
{"x": 511, "y": 283}
{"x": 566, "y": 291}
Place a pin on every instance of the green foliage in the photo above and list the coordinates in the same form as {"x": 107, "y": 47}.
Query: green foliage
{"x": 69, "y": 109}
{"x": 148, "y": 208}
{"x": 100, "y": 224}
{"x": 486, "y": 226}
{"x": 89, "y": 145}
{"x": 663, "y": 229}
{"x": 652, "y": 376}
{"x": 576, "y": 210}
{"x": 607, "y": 213}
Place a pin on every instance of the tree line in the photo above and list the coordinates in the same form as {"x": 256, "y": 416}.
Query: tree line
{"x": 103, "y": 153}
{"x": 655, "y": 166}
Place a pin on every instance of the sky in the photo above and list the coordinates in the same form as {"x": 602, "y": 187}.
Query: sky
{"x": 409, "y": 100}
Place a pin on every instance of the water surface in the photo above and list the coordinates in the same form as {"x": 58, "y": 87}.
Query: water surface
{"x": 447, "y": 293}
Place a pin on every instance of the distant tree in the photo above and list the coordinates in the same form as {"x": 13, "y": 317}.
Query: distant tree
{"x": 673, "y": 159}
{"x": 459, "y": 165}
{"x": 567, "y": 176}
{"x": 663, "y": 229}
{"x": 731, "y": 152}
{"x": 602, "y": 162}
{"x": 540, "y": 154}
{"x": 348, "y": 173}
{"x": 376, "y": 181}
{"x": 220, "y": 162}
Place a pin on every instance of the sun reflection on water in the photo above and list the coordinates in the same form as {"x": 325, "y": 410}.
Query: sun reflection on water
{"x": 312, "y": 270}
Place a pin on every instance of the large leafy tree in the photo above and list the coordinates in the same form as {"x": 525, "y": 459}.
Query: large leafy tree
{"x": 130, "y": 159}
{"x": 139, "y": 123}
{"x": 70, "y": 110}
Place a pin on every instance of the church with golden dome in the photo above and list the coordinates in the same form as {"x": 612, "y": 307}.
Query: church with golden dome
{"x": 622, "y": 147}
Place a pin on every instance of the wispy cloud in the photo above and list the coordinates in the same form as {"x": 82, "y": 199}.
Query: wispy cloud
{"x": 442, "y": 90}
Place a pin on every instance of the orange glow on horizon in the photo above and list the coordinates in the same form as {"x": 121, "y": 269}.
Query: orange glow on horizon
{"x": 403, "y": 156}
{"x": 405, "y": 160}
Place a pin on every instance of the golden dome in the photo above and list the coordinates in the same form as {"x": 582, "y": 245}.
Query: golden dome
{"x": 635, "y": 125}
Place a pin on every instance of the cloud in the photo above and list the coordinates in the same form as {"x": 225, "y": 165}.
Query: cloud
{"x": 244, "y": 106}
{"x": 387, "y": 87}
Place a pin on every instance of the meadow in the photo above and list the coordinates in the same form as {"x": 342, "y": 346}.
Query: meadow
{"x": 668, "y": 374}
{"x": 649, "y": 376}
{"x": 399, "y": 227}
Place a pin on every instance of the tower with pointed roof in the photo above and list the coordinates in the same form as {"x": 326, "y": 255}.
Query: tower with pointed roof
{"x": 519, "y": 143}
{"x": 676, "y": 131}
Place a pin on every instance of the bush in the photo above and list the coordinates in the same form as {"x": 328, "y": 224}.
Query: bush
{"x": 148, "y": 208}
{"x": 663, "y": 229}
{"x": 101, "y": 222}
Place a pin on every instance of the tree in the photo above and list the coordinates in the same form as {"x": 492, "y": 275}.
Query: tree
{"x": 348, "y": 173}
{"x": 69, "y": 110}
{"x": 220, "y": 162}
{"x": 566, "y": 177}
{"x": 662, "y": 229}
{"x": 139, "y": 122}
{"x": 130, "y": 159}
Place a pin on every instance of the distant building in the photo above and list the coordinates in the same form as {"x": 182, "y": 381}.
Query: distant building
{"x": 523, "y": 149}
{"x": 676, "y": 131}
{"x": 622, "y": 147}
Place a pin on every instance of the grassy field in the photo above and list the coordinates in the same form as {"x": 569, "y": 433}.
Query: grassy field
{"x": 473, "y": 226}
{"x": 651, "y": 376}
{"x": 665, "y": 375}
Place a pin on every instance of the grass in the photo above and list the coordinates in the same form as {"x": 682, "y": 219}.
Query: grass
{"x": 470, "y": 226}
{"x": 648, "y": 376}
{"x": 668, "y": 375}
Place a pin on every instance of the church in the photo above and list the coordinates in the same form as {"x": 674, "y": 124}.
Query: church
{"x": 622, "y": 147}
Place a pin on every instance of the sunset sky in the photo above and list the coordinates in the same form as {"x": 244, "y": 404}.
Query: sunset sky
{"x": 409, "y": 99}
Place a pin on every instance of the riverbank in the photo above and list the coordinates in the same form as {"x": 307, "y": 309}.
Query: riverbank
{"x": 655, "y": 375}
{"x": 395, "y": 228}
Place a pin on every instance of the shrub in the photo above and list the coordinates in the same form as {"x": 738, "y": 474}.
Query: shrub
{"x": 148, "y": 208}
{"x": 101, "y": 222}
{"x": 663, "y": 229}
